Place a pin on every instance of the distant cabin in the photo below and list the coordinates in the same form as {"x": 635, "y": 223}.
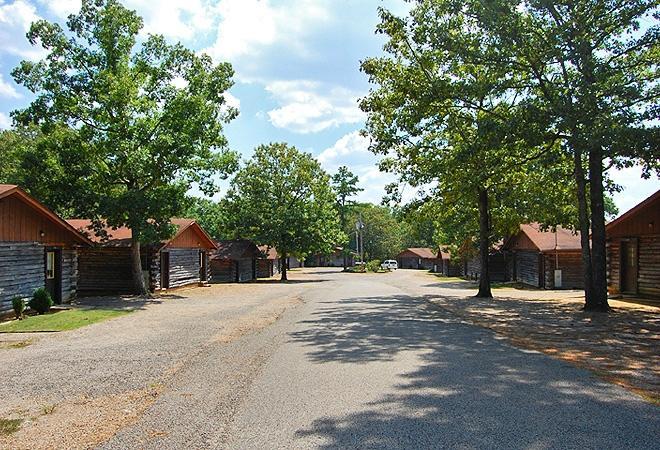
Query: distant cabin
{"x": 105, "y": 268}
{"x": 268, "y": 263}
{"x": 546, "y": 259}
{"x": 417, "y": 258}
{"x": 633, "y": 250}
{"x": 38, "y": 249}
{"x": 234, "y": 261}
{"x": 499, "y": 264}
{"x": 332, "y": 259}
{"x": 447, "y": 266}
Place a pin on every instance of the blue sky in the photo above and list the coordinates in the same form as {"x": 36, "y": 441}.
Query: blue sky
{"x": 297, "y": 71}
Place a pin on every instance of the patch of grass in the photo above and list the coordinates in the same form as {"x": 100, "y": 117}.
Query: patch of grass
{"x": 18, "y": 344}
{"x": 512, "y": 285}
{"x": 9, "y": 426}
{"x": 65, "y": 320}
{"x": 443, "y": 279}
{"x": 47, "y": 409}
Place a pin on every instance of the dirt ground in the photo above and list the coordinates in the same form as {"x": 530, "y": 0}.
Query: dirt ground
{"x": 622, "y": 346}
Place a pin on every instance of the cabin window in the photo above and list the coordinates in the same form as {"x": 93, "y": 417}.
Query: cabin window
{"x": 50, "y": 265}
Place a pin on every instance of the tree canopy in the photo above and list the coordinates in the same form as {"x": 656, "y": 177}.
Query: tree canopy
{"x": 282, "y": 198}
{"x": 144, "y": 121}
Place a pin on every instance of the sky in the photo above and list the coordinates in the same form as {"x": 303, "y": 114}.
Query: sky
{"x": 297, "y": 72}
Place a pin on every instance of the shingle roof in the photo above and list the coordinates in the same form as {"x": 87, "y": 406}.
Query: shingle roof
{"x": 268, "y": 252}
{"x": 421, "y": 252}
{"x": 546, "y": 240}
{"x": 236, "y": 249}
{"x": 121, "y": 237}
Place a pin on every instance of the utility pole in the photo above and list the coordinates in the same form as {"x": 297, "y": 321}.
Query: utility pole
{"x": 359, "y": 225}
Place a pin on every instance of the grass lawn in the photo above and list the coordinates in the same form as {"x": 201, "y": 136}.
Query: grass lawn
{"x": 68, "y": 319}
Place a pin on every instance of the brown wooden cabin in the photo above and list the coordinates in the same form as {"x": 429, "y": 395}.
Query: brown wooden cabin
{"x": 38, "y": 249}
{"x": 334, "y": 259}
{"x": 417, "y": 258}
{"x": 499, "y": 267}
{"x": 633, "y": 250}
{"x": 293, "y": 262}
{"x": 447, "y": 266}
{"x": 268, "y": 264}
{"x": 105, "y": 268}
{"x": 546, "y": 259}
{"x": 234, "y": 261}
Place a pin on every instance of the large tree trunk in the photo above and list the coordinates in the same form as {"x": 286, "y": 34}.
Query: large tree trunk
{"x": 284, "y": 267}
{"x": 136, "y": 267}
{"x": 484, "y": 245}
{"x": 585, "y": 227}
{"x": 598, "y": 298}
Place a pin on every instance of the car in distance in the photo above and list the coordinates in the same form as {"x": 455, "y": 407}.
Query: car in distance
{"x": 390, "y": 264}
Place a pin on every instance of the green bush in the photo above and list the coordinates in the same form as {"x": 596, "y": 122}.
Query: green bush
{"x": 41, "y": 301}
{"x": 373, "y": 265}
{"x": 19, "y": 307}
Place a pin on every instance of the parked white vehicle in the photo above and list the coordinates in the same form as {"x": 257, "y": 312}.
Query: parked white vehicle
{"x": 390, "y": 264}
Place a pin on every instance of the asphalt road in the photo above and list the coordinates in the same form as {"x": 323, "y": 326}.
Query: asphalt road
{"x": 345, "y": 361}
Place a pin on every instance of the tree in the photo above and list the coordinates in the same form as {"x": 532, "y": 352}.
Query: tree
{"x": 345, "y": 184}
{"x": 209, "y": 214}
{"x": 383, "y": 235}
{"x": 591, "y": 69}
{"x": 282, "y": 198}
{"x": 453, "y": 122}
{"x": 146, "y": 120}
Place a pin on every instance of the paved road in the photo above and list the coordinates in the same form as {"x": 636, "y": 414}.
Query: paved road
{"x": 362, "y": 362}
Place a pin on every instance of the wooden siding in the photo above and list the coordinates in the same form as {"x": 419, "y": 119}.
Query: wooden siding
{"x": 498, "y": 267}
{"x": 184, "y": 266}
{"x": 190, "y": 238}
{"x": 23, "y": 271}
{"x": 246, "y": 269}
{"x": 104, "y": 271}
{"x": 69, "y": 275}
{"x": 223, "y": 271}
{"x": 572, "y": 273}
{"x": 416, "y": 263}
{"x": 644, "y": 222}
{"x": 20, "y": 222}
{"x": 648, "y": 277}
{"x": 521, "y": 242}
{"x": 265, "y": 268}
{"x": 527, "y": 267}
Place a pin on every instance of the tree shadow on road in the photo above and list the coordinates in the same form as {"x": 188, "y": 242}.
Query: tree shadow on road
{"x": 469, "y": 389}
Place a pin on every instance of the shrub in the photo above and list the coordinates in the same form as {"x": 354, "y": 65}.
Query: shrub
{"x": 373, "y": 265}
{"x": 19, "y": 307}
{"x": 41, "y": 301}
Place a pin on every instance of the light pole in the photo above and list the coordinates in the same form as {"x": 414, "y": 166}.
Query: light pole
{"x": 359, "y": 225}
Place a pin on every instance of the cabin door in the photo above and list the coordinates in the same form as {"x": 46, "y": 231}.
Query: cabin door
{"x": 203, "y": 262}
{"x": 53, "y": 273}
{"x": 164, "y": 270}
{"x": 629, "y": 267}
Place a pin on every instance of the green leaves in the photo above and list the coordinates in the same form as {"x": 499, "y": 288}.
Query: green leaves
{"x": 149, "y": 120}
{"x": 281, "y": 197}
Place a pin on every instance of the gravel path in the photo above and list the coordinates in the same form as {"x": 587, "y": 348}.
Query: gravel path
{"x": 332, "y": 361}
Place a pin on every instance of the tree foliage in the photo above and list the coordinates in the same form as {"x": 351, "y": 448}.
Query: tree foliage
{"x": 282, "y": 198}
{"x": 144, "y": 121}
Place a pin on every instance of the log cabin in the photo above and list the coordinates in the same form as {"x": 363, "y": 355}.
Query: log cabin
{"x": 105, "y": 268}
{"x": 333, "y": 259}
{"x": 546, "y": 259}
{"x": 417, "y": 258}
{"x": 447, "y": 266}
{"x": 268, "y": 264}
{"x": 498, "y": 264}
{"x": 38, "y": 249}
{"x": 234, "y": 261}
{"x": 633, "y": 250}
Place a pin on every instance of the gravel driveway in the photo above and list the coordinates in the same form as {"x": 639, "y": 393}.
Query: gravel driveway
{"x": 331, "y": 361}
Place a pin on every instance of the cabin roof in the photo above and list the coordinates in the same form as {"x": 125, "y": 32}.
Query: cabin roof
{"x": 268, "y": 252}
{"x": 420, "y": 252}
{"x": 10, "y": 190}
{"x": 563, "y": 239}
{"x": 121, "y": 237}
{"x": 237, "y": 249}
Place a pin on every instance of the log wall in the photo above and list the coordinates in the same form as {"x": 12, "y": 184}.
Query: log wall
{"x": 22, "y": 271}
{"x": 265, "y": 268}
{"x": 572, "y": 273}
{"x": 527, "y": 267}
{"x": 222, "y": 271}
{"x": 105, "y": 271}
{"x": 184, "y": 266}
{"x": 648, "y": 276}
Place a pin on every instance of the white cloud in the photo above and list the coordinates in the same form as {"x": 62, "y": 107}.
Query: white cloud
{"x": 15, "y": 20}
{"x": 246, "y": 27}
{"x": 232, "y": 101}
{"x": 7, "y": 89}
{"x": 310, "y": 106}
{"x": 5, "y": 121}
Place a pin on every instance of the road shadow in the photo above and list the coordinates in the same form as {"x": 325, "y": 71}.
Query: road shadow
{"x": 121, "y": 302}
{"x": 469, "y": 390}
{"x": 271, "y": 281}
